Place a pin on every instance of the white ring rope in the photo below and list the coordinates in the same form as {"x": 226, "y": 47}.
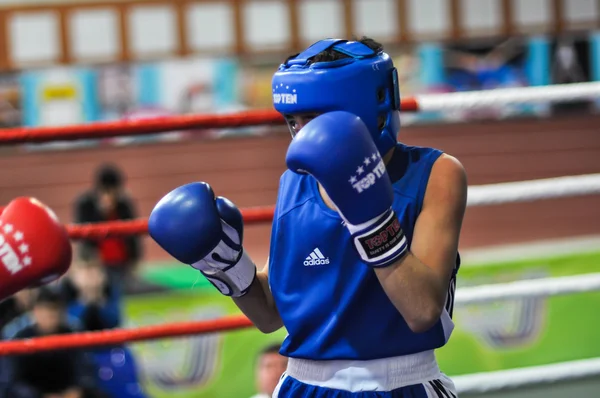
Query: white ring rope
{"x": 508, "y": 96}
{"x": 481, "y": 383}
{"x": 535, "y": 375}
{"x": 523, "y": 191}
{"x": 528, "y": 288}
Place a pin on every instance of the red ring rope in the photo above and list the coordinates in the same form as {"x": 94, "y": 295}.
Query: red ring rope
{"x": 122, "y": 128}
{"x": 121, "y": 336}
{"x": 148, "y": 126}
{"x": 102, "y": 230}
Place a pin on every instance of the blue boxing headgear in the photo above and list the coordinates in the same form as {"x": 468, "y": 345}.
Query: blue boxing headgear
{"x": 364, "y": 83}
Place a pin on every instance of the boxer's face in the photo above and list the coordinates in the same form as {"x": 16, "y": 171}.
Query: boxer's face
{"x": 270, "y": 368}
{"x": 296, "y": 122}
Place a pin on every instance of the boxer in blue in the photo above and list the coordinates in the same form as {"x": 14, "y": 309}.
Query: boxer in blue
{"x": 364, "y": 244}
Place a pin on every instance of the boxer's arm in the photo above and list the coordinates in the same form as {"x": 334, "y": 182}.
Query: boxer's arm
{"x": 258, "y": 304}
{"x": 417, "y": 284}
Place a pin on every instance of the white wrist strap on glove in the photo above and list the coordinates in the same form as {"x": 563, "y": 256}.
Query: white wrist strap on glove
{"x": 379, "y": 241}
{"x": 228, "y": 267}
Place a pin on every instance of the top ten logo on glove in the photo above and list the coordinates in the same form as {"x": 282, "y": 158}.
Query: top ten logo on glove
{"x": 368, "y": 180}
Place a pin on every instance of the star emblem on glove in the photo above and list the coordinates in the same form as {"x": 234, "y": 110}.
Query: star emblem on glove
{"x": 14, "y": 260}
{"x": 360, "y": 170}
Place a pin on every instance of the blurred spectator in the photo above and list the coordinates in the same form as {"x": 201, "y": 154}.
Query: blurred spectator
{"x": 108, "y": 201}
{"x": 49, "y": 374}
{"x": 11, "y": 310}
{"x": 10, "y": 102}
{"x": 15, "y": 306}
{"x": 570, "y": 65}
{"x": 117, "y": 372}
{"x": 90, "y": 298}
{"x": 269, "y": 368}
{"x": 25, "y": 318}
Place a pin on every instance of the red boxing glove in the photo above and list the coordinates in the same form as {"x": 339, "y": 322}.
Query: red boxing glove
{"x": 34, "y": 246}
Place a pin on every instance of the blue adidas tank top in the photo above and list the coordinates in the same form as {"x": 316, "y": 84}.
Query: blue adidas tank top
{"x": 331, "y": 303}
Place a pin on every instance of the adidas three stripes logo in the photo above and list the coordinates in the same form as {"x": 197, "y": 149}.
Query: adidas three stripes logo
{"x": 316, "y": 258}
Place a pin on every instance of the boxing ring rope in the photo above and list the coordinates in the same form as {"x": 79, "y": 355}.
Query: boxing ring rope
{"x": 103, "y": 230}
{"x": 465, "y": 296}
{"x": 533, "y": 190}
{"x": 122, "y": 336}
{"x": 528, "y": 288}
{"x": 486, "y": 382}
{"x": 423, "y": 103}
{"x": 478, "y": 195}
{"x": 508, "y": 96}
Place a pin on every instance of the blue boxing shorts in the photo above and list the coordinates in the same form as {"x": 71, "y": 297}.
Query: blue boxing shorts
{"x": 410, "y": 376}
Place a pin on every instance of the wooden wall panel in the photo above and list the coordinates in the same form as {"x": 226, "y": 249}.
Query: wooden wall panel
{"x": 295, "y": 40}
{"x": 4, "y": 61}
{"x": 183, "y": 47}
{"x": 240, "y": 43}
{"x": 450, "y": 13}
{"x": 404, "y": 29}
{"x": 123, "y": 10}
{"x": 508, "y": 16}
{"x": 349, "y": 18}
{"x": 456, "y": 26}
{"x": 558, "y": 18}
{"x": 64, "y": 36}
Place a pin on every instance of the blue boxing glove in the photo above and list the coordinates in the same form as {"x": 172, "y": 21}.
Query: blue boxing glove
{"x": 337, "y": 149}
{"x": 205, "y": 232}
